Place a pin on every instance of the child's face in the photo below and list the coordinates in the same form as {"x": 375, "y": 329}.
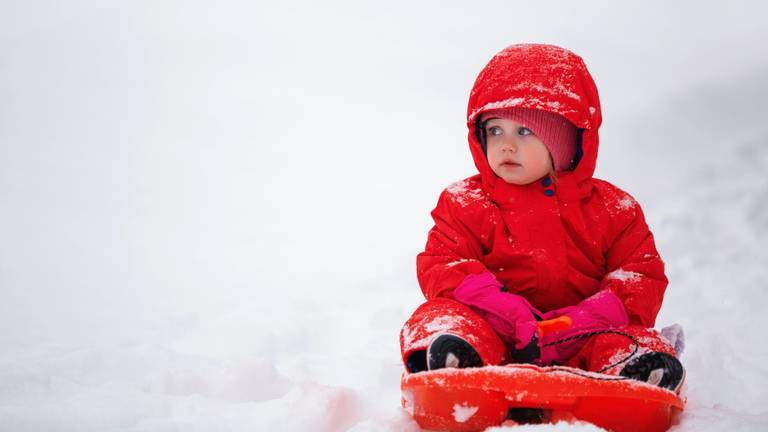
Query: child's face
{"x": 514, "y": 153}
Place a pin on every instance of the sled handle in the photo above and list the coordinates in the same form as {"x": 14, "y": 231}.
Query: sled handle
{"x": 555, "y": 324}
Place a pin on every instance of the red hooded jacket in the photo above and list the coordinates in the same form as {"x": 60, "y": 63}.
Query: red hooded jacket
{"x": 554, "y": 243}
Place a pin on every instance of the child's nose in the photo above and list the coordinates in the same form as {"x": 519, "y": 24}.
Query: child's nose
{"x": 510, "y": 145}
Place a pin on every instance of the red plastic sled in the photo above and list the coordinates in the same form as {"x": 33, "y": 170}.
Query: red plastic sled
{"x": 473, "y": 399}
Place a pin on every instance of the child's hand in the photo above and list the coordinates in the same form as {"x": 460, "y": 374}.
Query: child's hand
{"x": 602, "y": 311}
{"x": 510, "y": 315}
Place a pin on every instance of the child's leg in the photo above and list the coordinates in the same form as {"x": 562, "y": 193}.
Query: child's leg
{"x": 631, "y": 354}
{"x": 441, "y": 316}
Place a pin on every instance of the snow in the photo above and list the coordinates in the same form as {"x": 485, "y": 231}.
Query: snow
{"x": 623, "y": 275}
{"x": 435, "y": 325}
{"x": 464, "y": 193}
{"x": 557, "y": 427}
{"x": 457, "y": 262}
{"x": 441, "y": 324}
{"x": 514, "y": 102}
{"x": 627, "y": 203}
{"x": 463, "y": 413}
{"x": 209, "y": 216}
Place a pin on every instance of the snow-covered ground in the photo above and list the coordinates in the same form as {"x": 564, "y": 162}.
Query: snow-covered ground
{"x": 209, "y": 213}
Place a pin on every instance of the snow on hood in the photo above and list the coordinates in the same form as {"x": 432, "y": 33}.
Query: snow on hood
{"x": 544, "y": 77}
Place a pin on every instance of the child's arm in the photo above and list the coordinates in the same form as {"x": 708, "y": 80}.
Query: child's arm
{"x": 451, "y": 267}
{"x": 452, "y": 252}
{"x": 635, "y": 271}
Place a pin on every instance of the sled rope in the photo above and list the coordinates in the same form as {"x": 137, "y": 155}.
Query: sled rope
{"x": 586, "y": 375}
{"x": 635, "y": 348}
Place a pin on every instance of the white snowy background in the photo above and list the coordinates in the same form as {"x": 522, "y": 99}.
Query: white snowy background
{"x": 210, "y": 211}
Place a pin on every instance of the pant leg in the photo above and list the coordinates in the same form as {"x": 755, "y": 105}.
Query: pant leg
{"x": 441, "y": 315}
{"x": 609, "y": 353}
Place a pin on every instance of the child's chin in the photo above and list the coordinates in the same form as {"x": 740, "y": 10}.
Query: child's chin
{"x": 515, "y": 180}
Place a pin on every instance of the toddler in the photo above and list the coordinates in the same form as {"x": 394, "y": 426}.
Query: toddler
{"x": 534, "y": 236}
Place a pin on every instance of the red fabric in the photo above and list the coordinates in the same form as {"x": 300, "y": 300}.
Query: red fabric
{"x": 442, "y": 315}
{"x": 552, "y": 248}
{"x": 612, "y": 350}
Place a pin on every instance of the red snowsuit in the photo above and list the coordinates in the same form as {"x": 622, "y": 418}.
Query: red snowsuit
{"x": 554, "y": 243}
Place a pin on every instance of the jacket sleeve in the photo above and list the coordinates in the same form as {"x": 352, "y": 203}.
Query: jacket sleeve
{"x": 634, "y": 269}
{"x": 452, "y": 252}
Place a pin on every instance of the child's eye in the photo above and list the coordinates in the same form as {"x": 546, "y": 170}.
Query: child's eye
{"x": 494, "y": 130}
{"x": 524, "y": 131}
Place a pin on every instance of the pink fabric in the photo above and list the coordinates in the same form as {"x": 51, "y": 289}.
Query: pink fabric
{"x": 510, "y": 315}
{"x": 602, "y": 311}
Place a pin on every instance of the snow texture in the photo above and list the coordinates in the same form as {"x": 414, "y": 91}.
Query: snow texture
{"x": 209, "y": 216}
{"x": 623, "y": 275}
{"x": 462, "y": 413}
{"x": 464, "y": 193}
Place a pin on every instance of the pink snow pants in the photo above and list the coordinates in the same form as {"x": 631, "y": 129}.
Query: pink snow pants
{"x": 443, "y": 315}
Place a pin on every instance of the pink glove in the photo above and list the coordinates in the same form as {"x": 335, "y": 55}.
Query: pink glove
{"x": 510, "y": 315}
{"x": 602, "y": 311}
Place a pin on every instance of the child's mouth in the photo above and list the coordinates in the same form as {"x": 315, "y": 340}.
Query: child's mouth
{"x": 510, "y": 164}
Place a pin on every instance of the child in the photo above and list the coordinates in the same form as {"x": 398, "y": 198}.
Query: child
{"x": 534, "y": 237}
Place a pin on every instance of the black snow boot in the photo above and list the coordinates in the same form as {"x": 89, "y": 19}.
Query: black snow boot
{"x": 656, "y": 368}
{"x": 451, "y": 351}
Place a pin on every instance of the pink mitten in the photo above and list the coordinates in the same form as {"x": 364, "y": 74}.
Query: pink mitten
{"x": 602, "y": 311}
{"x": 510, "y": 315}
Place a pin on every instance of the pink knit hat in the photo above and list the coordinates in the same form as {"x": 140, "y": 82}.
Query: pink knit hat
{"x": 555, "y": 131}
